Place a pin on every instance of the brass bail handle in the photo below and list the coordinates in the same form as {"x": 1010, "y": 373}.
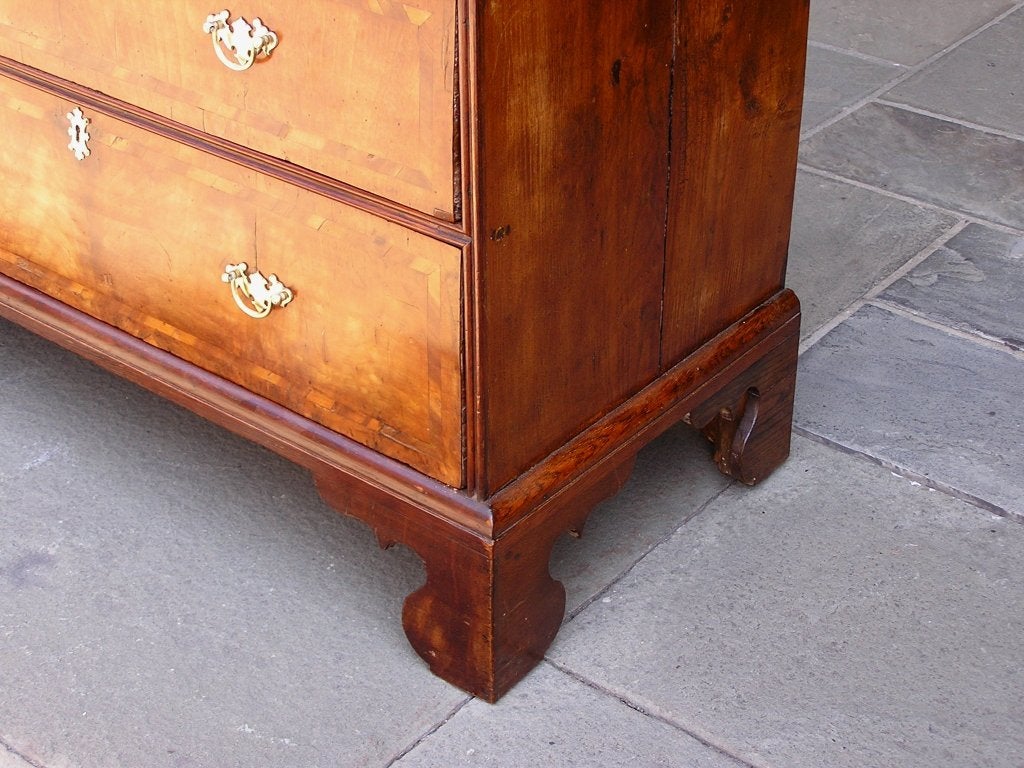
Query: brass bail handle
{"x": 255, "y": 294}
{"x": 238, "y": 43}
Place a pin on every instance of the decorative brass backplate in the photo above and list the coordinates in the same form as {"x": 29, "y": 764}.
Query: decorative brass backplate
{"x": 255, "y": 294}
{"x": 238, "y": 44}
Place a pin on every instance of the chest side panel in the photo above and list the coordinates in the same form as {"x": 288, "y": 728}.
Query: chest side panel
{"x": 736, "y": 125}
{"x": 573, "y": 126}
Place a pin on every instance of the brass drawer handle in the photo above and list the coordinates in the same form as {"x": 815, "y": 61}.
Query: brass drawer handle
{"x": 243, "y": 40}
{"x": 255, "y": 294}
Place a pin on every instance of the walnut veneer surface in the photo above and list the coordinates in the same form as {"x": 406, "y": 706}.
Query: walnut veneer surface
{"x": 521, "y": 240}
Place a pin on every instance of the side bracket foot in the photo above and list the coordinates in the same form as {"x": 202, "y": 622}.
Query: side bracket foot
{"x": 751, "y": 421}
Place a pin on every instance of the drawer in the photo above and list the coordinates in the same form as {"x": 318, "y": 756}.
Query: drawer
{"x": 139, "y": 233}
{"x": 360, "y": 90}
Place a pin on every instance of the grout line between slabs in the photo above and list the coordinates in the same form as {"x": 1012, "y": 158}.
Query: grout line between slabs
{"x": 972, "y": 336}
{"x": 912, "y": 264}
{"x": 976, "y": 337}
{"x": 908, "y": 72}
{"x": 4, "y": 746}
{"x": 856, "y": 54}
{"x": 852, "y": 308}
{"x": 912, "y": 475}
{"x": 966, "y": 215}
{"x": 849, "y": 311}
{"x": 949, "y": 119}
{"x": 430, "y": 732}
{"x": 698, "y": 734}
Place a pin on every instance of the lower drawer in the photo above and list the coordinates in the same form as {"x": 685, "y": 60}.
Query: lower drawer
{"x": 139, "y": 234}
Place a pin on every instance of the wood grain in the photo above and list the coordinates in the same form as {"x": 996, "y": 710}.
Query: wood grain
{"x": 295, "y": 437}
{"x": 360, "y": 91}
{"x": 739, "y": 78}
{"x": 138, "y": 233}
{"x": 572, "y": 106}
{"x": 758, "y": 351}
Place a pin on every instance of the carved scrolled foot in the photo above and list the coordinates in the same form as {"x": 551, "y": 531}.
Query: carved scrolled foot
{"x": 753, "y": 423}
{"x": 489, "y": 608}
{"x": 484, "y": 619}
{"x": 487, "y": 614}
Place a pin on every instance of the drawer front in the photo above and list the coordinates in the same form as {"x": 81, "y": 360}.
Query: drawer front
{"x": 361, "y": 90}
{"x": 139, "y": 233}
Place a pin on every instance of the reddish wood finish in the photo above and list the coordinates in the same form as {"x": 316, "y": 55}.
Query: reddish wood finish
{"x": 489, "y": 608}
{"x": 625, "y": 176}
{"x": 758, "y": 351}
{"x": 739, "y": 79}
{"x": 571, "y": 173}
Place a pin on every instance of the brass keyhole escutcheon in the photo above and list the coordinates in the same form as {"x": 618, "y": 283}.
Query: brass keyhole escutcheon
{"x": 79, "y": 133}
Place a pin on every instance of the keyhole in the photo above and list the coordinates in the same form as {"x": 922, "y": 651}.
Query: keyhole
{"x": 78, "y": 133}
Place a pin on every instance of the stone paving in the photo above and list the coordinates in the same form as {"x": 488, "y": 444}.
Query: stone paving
{"x": 172, "y": 596}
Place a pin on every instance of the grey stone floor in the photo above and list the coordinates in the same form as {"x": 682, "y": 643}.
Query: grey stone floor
{"x": 172, "y": 596}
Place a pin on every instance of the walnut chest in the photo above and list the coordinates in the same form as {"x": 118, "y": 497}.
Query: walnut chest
{"x": 460, "y": 258}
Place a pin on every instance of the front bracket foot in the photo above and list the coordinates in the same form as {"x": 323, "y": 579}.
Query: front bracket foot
{"x": 489, "y": 608}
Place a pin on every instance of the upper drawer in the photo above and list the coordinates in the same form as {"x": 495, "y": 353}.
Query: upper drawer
{"x": 361, "y": 90}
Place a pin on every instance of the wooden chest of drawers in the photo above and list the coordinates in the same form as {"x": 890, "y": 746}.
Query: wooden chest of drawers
{"x": 460, "y": 258}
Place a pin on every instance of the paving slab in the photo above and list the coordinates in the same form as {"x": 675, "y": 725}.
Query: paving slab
{"x": 836, "y": 79}
{"x": 551, "y": 719}
{"x": 835, "y": 615}
{"x": 9, "y": 759}
{"x": 945, "y": 407}
{"x": 673, "y": 479}
{"x": 122, "y": 479}
{"x": 982, "y": 81}
{"x": 21, "y": 353}
{"x": 906, "y": 32}
{"x": 846, "y": 239}
{"x": 975, "y": 282}
{"x": 173, "y": 596}
{"x": 933, "y": 160}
